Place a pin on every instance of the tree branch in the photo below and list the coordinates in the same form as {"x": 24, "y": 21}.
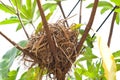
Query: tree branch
{"x": 59, "y": 4}
{"x": 111, "y": 29}
{"x": 88, "y": 27}
{"x": 18, "y": 15}
{"x": 12, "y": 42}
{"x": 80, "y": 15}
{"x": 46, "y": 28}
{"x": 73, "y": 8}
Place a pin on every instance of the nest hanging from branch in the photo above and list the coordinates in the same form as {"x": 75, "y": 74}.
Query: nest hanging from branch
{"x": 65, "y": 41}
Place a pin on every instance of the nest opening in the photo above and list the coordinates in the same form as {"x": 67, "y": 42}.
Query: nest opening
{"x": 65, "y": 41}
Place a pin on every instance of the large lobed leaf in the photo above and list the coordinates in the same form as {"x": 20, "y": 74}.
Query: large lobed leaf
{"x": 8, "y": 59}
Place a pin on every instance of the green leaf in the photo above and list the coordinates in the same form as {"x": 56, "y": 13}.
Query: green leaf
{"x": 33, "y": 8}
{"x": 17, "y": 3}
{"x": 50, "y": 6}
{"x": 89, "y": 39}
{"x": 25, "y": 12}
{"x": 47, "y": 6}
{"x": 29, "y": 4}
{"x": 76, "y": 26}
{"x": 118, "y": 67}
{"x": 12, "y": 75}
{"x": 9, "y": 21}
{"x": 88, "y": 54}
{"x": 117, "y": 2}
{"x": 77, "y": 76}
{"x": 7, "y": 9}
{"x": 104, "y": 9}
{"x": 117, "y": 18}
{"x": 116, "y": 54}
{"x": 33, "y": 73}
{"x": 39, "y": 27}
{"x": 29, "y": 8}
{"x": 20, "y": 26}
{"x": 8, "y": 59}
{"x": 101, "y": 4}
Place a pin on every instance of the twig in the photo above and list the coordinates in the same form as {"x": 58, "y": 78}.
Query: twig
{"x": 80, "y": 16}
{"x": 111, "y": 29}
{"x": 12, "y": 42}
{"x": 104, "y": 21}
{"x": 21, "y": 21}
{"x": 88, "y": 27}
{"x": 32, "y": 25}
{"x": 73, "y": 8}
{"x": 59, "y": 4}
{"x": 48, "y": 33}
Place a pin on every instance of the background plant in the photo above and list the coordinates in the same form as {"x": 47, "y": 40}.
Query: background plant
{"x": 28, "y": 13}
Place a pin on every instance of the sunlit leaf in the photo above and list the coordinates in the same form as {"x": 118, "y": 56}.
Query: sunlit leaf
{"x": 17, "y": 3}
{"x": 101, "y": 4}
{"x": 29, "y": 4}
{"x": 7, "y": 9}
{"x": 75, "y": 26}
{"x": 116, "y": 54}
{"x": 118, "y": 67}
{"x": 104, "y": 9}
{"x": 8, "y": 59}
{"x": 33, "y": 8}
{"x": 9, "y": 21}
{"x": 25, "y": 12}
{"x": 108, "y": 60}
{"x": 33, "y": 73}
{"x": 117, "y": 2}
{"x": 12, "y": 75}
{"x": 77, "y": 76}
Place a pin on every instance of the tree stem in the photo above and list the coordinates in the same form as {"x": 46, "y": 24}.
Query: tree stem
{"x": 46, "y": 28}
{"x": 18, "y": 15}
{"x": 80, "y": 15}
{"x": 111, "y": 29}
{"x": 88, "y": 27}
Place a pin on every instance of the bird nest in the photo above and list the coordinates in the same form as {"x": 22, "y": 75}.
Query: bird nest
{"x": 65, "y": 41}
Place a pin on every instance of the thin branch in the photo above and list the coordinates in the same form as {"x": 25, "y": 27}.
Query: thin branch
{"x": 73, "y": 8}
{"x": 59, "y": 4}
{"x": 80, "y": 16}
{"x": 111, "y": 29}
{"x": 88, "y": 27}
{"x": 104, "y": 21}
{"x": 32, "y": 25}
{"x": 48, "y": 33}
{"x": 12, "y": 42}
{"x": 18, "y": 14}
